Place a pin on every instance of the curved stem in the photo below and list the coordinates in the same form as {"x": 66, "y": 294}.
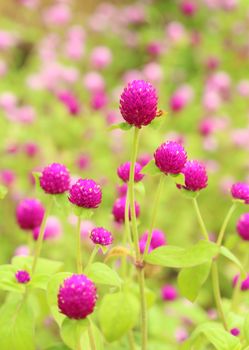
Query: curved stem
{"x": 154, "y": 213}
{"x": 217, "y": 296}
{"x": 91, "y": 259}
{"x": 79, "y": 257}
{"x": 200, "y": 219}
{"x": 39, "y": 242}
{"x": 91, "y": 337}
{"x": 225, "y": 223}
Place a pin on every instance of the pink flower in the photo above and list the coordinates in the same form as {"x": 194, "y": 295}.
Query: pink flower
{"x": 101, "y": 57}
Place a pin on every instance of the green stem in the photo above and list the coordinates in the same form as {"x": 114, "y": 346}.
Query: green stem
{"x": 217, "y": 296}
{"x": 126, "y": 236}
{"x": 131, "y": 341}
{"x": 236, "y": 295}
{"x": 91, "y": 259}
{"x": 132, "y": 194}
{"x": 199, "y": 217}
{"x": 225, "y": 223}
{"x": 214, "y": 269}
{"x": 91, "y": 337}
{"x": 39, "y": 242}
{"x": 79, "y": 257}
{"x": 154, "y": 213}
{"x": 140, "y": 269}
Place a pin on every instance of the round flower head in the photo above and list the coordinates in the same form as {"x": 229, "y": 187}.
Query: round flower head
{"x": 170, "y": 157}
{"x": 53, "y": 229}
{"x": 168, "y": 293}
{"x": 240, "y": 191}
{"x": 55, "y": 179}
{"x": 195, "y": 175}
{"x": 235, "y": 332}
{"x": 118, "y": 210}
{"x": 29, "y": 213}
{"x": 243, "y": 226}
{"x": 138, "y": 103}
{"x": 124, "y": 172}
{"x": 157, "y": 240}
{"x": 85, "y": 193}
{"x": 101, "y": 236}
{"x": 244, "y": 284}
{"x": 77, "y": 297}
{"x": 22, "y": 276}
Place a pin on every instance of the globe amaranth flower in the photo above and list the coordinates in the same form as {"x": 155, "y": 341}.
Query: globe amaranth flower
{"x": 101, "y": 236}
{"x": 235, "y": 332}
{"x": 29, "y": 213}
{"x": 195, "y": 175}
{"x": 55, "y": 179}
{"x": 53, "y": 229}
{"x": 170, "y": 157}
{"x": 244, "y": 284}
{"x": 77, "y": 297}
{"x": 124, "y": 172}
{"x": 118, "y": 210}
{"x": 168, "y": 292}
{"x": 240, "y": 190}
{"x": 157, "y": 240}
{"x": 85, "y": 193}
{"x": 243, "y": 226}
{"x": 22, "y": 276}
{"x": 138, "y": 103}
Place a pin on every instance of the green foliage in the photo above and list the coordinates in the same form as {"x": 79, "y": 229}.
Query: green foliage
{"x": 72, "y": 330}
{"x": 118, "y": 313}
{"x": 151, "y": 169}
{"x": 44, "y": 266}
{"x": 191, "y": 279}
{"x": 171, "y": 256}
{"x": 230, "y": 256}
{"x": 102, "y": 274}
{"x": 122, "y": 126}
{"x": 16, "y": 325}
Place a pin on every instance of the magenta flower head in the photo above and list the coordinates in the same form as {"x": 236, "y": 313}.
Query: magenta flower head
{"x": 124, "y": 172}
{"x": 243, "y": 226}
{"x": 85, "y": 193}
{"x": 170, "y": 157}
{"x": 53, "y": 229}
{"x": 22, "y": 276}
{"x": 157, "y": 240}
{"x": 55, "y": 179}
{"x": 235, "y": 332}
{"x": 240, "y": 190}
{"x": 29, "y": 213}
{"x": 77, "y": 297}
{"x": 195, "y": 175}
{"x": 138, "y": 103}
{"x": 244, "y": 284}
{"x": 118, "y": 210}
{"x": 101, "y": 236}
{"x": 168, "y": 293}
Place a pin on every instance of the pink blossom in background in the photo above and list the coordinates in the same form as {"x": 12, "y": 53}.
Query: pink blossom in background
{"x": 22, "y": 250}
{"x": 75, "y": 43}
{"x": 94, "y": 82}
{"x": 22, "y": 114}
{"x": 175, "y": 32}
{"x": 7, "y": 177}
{"x": 153, "y": 72}
{"x": 243, "y": 88}
{"x": 101, "y": 57}
{"x": 70, "y": 102}
{"x": 8, "y": 101}
{"x": 7, "y": 40}
{"x": 181, "y": 98}
{"x": 99, "y": 100}
{"x": 58, "y": 14}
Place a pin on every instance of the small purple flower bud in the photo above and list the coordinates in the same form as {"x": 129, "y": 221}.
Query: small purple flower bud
{"x": 240, "y": 191}
{"x": 22, "y": 276}
{"x": 235, "y": 332}
{"x": 169, "y": 293}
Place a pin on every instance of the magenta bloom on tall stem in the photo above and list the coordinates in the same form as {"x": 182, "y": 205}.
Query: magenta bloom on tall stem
{"x": 243, "y": 226}
{"x": 77, "y": 297}
{"x": 170, "y": 157}
{"x": 118, "y": 210}
{"x": 240, "y": 190}
{"x": 55, "y": 179}
{"x": 124, "y": 172}
{"x": 85, "y": 193}
{"x": 158, "y": 239}
{"x": 29, "y": 213}
{"x": 138, "y": 103}
{"x": 195, "y": 175}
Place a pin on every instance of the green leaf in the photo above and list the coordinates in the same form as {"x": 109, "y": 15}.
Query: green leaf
{"x": 8, "y": 281}
{"x": 189, "y": 194}
{"x": 216, "y": 335}
{"x": 59, "y": 346}
{"x": 230, "y": 256}
{"x": 83, "y": 213}
{"x": 150, "y": 296}
{"x": 191, "y": 279}
{"x": 40, "y": 281}
{"x": 44, "y": 266}
{"x": 179, "y": 179}
{"x": 118, "y": 313}
{"x": 139, "y": 187}
{"x": 16, "y": 326}
{"x": 3, "y": 191}
{"x": 151, "y": 169}
{"x": 98, "y": 338}
{"x": 62, "y": 202}
{"x": 52, "y": 292}
{"x": 72, "y": 330}
{"x": 102, "y": 274}
{"x": 171, "y": 256}
{"x": 122, "y": 126}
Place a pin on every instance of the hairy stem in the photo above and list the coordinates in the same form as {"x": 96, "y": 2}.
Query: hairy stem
{"x": 39, "y": 242}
